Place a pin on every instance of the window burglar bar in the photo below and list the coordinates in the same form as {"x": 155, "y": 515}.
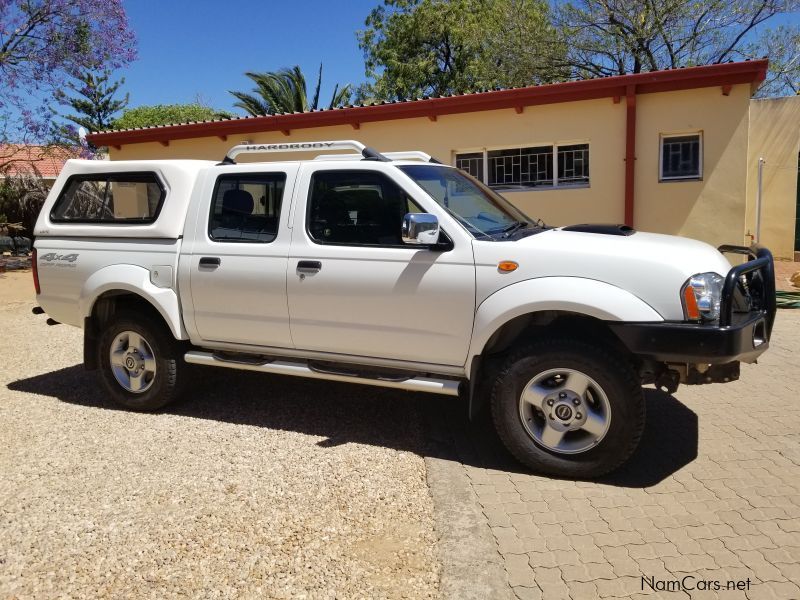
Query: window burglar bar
{"x": 522, "y": 166}
{"x": 573, "y": 164}
{"x": 511, "y": 168}
{"x": 680, "y": 157}
{"x": 472, "y": 163}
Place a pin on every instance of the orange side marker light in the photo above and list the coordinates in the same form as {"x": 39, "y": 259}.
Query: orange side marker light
{"x": 507, "y": 266}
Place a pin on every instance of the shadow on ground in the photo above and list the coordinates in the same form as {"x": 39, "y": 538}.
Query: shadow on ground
{"x": 345, "y": 413}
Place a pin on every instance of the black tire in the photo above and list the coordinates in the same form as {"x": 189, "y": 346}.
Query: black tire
{"x": 611, "y": 372}
{"x": 166, "y": 383}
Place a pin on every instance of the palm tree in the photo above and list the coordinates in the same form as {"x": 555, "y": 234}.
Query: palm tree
{"x": 285, "y": 91}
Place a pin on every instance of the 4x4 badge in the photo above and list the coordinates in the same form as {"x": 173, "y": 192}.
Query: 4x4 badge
{"x": 52, "y": 256}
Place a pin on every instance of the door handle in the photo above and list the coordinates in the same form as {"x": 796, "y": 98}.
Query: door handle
{"x": 309, "y": 266}
{"x": 210, "y": 261}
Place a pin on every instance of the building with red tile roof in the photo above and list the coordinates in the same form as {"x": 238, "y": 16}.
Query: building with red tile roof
{"x": 680, "y": 151}
{"x": 28, "y": 159}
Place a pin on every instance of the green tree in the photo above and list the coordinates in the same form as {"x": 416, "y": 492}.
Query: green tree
{"x": 94, "y": 103}
{"x": 285, "y": 91}
{"x": 93, "y": 100}
{"x": 418, "y": 48}
{"x": 612, "y": 37}
{"x": 167, "y": 114}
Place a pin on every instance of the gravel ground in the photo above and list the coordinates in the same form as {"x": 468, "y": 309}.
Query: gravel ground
{"x": 253, "y": 486}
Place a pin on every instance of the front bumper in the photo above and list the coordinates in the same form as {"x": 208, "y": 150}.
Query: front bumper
{"x": 742, "y": 334}
{"x": 692, "y": 343}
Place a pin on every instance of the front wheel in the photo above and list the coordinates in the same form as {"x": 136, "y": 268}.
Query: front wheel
{"x": 140, "y": 362}
{"x": 568, "y": 408}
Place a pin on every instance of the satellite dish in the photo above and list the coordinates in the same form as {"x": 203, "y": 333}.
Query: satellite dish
{"x": 82, "y": 134}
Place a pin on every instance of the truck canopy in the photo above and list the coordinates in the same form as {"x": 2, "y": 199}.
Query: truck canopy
{"x": 123, "y": 199}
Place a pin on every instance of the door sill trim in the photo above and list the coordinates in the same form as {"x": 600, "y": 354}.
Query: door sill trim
{"x": 369, "y": 361}
{"x": 448, "y": 387}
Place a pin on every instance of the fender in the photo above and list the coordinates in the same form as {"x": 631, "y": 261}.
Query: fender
{"x": 574, "y": 294}
{"x": 137, "y": 281}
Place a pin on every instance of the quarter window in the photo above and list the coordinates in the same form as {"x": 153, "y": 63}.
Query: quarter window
{"x": 681, "y": 157}
{"x": 133, "y": 198}
{"x": 357, "y": 208}
{"x": 246, "y": 207}
{"x": 528, "y": 167}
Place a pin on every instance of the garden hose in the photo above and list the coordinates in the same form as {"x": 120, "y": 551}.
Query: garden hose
{"x": 788, "y": 299}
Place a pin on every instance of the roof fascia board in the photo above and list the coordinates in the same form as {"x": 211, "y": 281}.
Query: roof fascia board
{"x": 752, "y": 72}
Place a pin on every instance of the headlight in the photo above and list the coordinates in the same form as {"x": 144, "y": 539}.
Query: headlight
{"x": 701, "y": 297}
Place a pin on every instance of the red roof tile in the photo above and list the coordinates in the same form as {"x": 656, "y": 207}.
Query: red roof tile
{"x": 45, "y": 161}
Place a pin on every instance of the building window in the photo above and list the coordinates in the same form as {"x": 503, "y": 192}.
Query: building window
{"x": 509, "y": 169}
{"x": 521, "y": 167}
{"x": 573, "y": 164}
{"x": 472, "y": 163}
{"x": 681, "y": 157}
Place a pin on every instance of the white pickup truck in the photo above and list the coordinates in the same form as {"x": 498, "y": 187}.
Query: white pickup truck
{"x": 391, "y": 270}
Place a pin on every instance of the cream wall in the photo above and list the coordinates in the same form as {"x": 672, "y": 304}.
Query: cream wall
{"x": 774, "y": 136}
{"x": 712, "y": 209}
{"x": 600, "y": 122}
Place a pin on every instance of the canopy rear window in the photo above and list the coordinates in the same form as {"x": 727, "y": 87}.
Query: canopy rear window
{"x": 133, "y": 198}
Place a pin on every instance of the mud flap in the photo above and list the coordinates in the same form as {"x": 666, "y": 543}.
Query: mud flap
{"x": 89, "y": 345}
{"x": 475, "y": 400}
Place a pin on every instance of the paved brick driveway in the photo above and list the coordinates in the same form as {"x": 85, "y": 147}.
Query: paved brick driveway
{"x": 712, "y": 493}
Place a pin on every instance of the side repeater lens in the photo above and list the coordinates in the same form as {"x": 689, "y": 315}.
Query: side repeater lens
{"x": 507, "y": 266}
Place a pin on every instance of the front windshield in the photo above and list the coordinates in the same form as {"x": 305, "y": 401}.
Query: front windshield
{"x": 483, "y": 212}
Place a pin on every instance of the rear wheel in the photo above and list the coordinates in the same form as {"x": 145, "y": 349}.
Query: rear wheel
{"x": 140, "y": 362}
{"x": 568, "y": 408}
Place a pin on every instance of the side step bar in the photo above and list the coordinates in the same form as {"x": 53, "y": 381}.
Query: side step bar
{"x": 447, "y": 387}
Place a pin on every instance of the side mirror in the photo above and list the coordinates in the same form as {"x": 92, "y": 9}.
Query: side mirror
{"x": 420, "y": 229}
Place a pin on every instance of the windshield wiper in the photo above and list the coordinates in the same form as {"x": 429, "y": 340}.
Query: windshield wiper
{"x": 467, "y": 225}
{"x": 512, "y": 228}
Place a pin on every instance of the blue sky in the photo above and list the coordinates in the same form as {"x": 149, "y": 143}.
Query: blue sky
{"x": 203, "y": 47}
{"x": 191, "y": 48}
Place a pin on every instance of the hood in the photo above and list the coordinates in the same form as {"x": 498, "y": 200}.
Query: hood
{"x": 651, "y": 266}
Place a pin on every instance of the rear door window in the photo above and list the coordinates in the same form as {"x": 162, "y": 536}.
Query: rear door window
{"x": 246, "y": 207}
{"x": 109, "y": 198}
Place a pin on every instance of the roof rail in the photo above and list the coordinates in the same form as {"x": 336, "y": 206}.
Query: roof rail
{"x": 406, "y": 155}
{"x": 366, "y": 152}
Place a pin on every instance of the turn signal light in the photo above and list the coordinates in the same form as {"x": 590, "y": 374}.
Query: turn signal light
{"x": 506, "y": 266}
{"x": 690, "y": 303}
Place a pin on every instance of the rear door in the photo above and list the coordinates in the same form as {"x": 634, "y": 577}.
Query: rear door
{"x": 239, "y": 258}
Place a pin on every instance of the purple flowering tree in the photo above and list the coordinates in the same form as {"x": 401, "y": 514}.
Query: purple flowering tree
{"x": 43, "y": 45}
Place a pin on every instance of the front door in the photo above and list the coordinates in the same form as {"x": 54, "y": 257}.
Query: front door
{"x": 356, "y": 289}
{"x": 239, "y": 258}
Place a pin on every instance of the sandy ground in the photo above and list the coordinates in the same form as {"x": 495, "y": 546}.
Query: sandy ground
{"x": 15, "y": 287}
{"x": 252, "y": 486}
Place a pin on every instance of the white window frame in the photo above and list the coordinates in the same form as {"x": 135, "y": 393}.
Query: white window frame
{"x": 554, "y": 145}
{"x": 665, "y": 136}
